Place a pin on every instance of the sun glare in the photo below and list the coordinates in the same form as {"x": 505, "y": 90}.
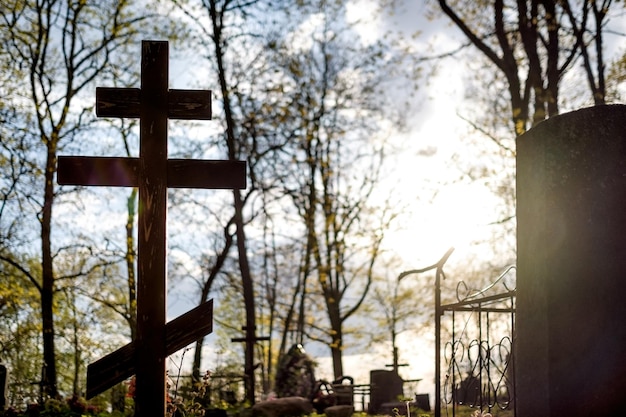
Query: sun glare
{"x": 459, "y": 216}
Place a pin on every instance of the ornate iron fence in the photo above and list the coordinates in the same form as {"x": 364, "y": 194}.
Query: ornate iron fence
{"x": 478, "y": 352}
{"x": 478, "y": 356}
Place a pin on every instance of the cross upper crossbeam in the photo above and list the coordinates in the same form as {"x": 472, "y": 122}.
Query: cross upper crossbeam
{"x": 126, "y": 102}
{"x": 152, "y": 173}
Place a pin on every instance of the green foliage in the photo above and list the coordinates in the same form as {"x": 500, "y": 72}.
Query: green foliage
{"x": 195, "y": 401}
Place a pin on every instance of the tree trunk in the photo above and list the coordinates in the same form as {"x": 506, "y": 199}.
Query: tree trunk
{"x": 336, "y": 353}
{"x": 248, "y": 297}
{"x": 49, "y": 373}
{"x": 206, "y": 289}
{"x": 336, "y": 347}
{"x": 244, "y": 267}
{"x": 197, "y": 354}
{"x": 77, "y": 357}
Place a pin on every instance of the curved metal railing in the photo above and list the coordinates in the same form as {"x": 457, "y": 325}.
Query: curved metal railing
{"x": 478, "y": 357}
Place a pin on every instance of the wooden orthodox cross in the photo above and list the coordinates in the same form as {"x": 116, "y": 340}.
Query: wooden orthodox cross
{"x": 152, "y": 173}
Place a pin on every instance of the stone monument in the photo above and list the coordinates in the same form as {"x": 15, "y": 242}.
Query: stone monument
{"x": 570, "y": 354}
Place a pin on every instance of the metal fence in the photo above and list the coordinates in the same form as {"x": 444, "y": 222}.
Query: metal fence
{"x": 478, "y": 354}
{"x": 475, "y": 338}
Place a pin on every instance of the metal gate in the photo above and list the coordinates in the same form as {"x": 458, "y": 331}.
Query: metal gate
{"x": 478, "y": 368}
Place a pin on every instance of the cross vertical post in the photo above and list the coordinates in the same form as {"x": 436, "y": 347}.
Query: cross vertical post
{"x": 151, "y": 241}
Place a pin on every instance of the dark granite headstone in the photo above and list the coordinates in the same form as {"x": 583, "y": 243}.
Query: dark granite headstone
{"x": 570, "y": 357}
{"x": 386, "y": 386}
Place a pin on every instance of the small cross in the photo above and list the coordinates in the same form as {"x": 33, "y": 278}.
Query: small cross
{"x": 250, "y": 340}
{"x": 152, "y": 173}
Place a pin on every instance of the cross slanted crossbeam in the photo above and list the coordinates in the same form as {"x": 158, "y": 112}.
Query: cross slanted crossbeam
{"x": 152, "y": 173}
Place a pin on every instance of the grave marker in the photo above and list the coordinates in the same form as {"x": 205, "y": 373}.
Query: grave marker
{"x": 571, "y": 269}
{"x": 152, "y": 173}
{"x": 250, "y": 340}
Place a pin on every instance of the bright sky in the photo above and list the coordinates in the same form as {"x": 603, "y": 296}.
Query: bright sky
{"x": 454, "y": 216}
{"x": 459, "y": 212}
